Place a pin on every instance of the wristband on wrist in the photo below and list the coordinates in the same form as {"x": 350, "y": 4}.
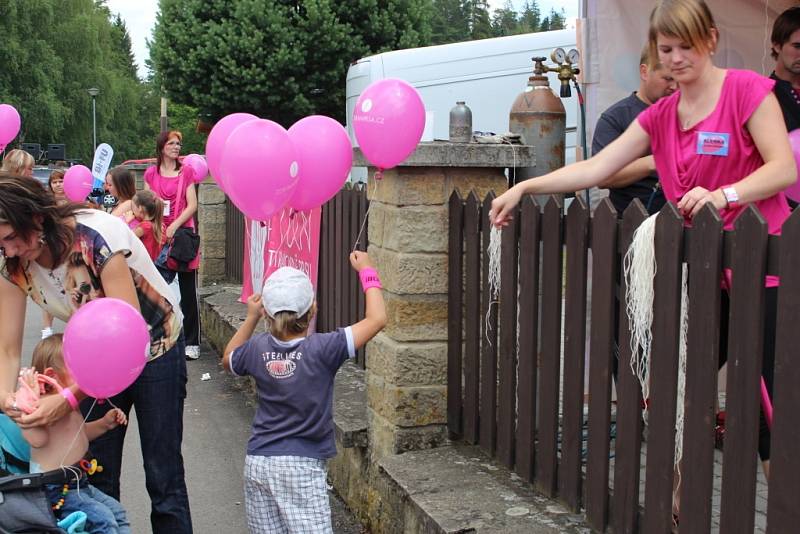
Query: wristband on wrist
{"x": 369, "y": 278}
{"x": 67, "y": 394}
{"x": 731, "y": 196}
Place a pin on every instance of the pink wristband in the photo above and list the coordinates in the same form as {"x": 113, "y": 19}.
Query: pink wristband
{"x": 369, "y": 278}
{"x": 67, "y": 394}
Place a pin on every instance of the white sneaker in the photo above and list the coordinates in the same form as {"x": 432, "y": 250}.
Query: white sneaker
{"x": 192, "y": 352}
{"x": 47, "y": 332}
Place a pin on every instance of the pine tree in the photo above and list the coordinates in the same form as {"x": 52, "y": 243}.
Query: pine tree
{"x": 504, "y": 20}
{"x": 449, "y": 22}
{"x": 530, "y": 17}
{"x": 480, "y": 27}
{"x": 558, "y": 19}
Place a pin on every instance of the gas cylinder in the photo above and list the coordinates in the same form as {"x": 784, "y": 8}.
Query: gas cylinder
{"x": 539, "y": 116}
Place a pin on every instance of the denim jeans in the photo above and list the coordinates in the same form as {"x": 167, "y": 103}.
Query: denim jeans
{"x": 104, "y": 515}
{"x": 158, "y": 396}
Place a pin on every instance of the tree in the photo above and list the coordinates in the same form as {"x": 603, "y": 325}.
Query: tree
{"x": 278, "y": 59}
{"x": 480, "y": 27}
{"x": 52, "y": 52}
{"x": 530, "y": 18}
{"x": 449, "y": 22}
{"x": 504, "y": 20}
{"x": 558, "y": 20}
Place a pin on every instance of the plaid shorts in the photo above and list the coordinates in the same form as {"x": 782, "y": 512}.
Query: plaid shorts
{"x": 286, "y": 494}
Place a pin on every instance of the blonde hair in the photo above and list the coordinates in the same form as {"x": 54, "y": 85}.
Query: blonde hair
{"x": 688, "y": 20}
{"x": 286, "y": 325}
{"x": 49, "y": 352}
{"x": 16, "y": 161}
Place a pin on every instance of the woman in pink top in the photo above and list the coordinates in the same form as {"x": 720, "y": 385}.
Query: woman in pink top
{"x": 720, "y": 139}
{"x": 174, "y": 185}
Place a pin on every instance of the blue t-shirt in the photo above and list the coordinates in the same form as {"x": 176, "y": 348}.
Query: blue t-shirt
{"x": 294, "y": 381}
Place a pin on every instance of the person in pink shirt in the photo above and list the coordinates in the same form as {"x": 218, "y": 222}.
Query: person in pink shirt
{"x": 720, "y": 139}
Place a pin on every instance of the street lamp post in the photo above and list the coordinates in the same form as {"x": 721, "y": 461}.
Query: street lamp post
{"x": 93, "y": 92}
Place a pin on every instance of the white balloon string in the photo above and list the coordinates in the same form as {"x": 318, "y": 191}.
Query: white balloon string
{"x": 375, "y": 179}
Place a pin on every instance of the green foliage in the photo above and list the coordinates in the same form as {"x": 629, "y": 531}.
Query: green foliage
{"x": 52, "y": 52}
{"x": 278, "y": 59}
{"x": 504, "y": 20}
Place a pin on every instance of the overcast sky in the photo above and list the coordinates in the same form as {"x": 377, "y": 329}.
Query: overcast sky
{"x": 140, "y": 17}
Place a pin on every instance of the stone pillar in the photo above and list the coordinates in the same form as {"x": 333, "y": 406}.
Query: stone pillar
{"x": 212, "y": 230}
{"x": 408, "y": 233}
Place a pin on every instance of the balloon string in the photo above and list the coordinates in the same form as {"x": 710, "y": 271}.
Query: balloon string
{"x": 377, "y": 176}
{"x": 80, "y": 430}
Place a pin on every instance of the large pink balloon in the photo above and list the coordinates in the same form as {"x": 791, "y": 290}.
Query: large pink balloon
{"x": 388, "y": 121}
{"x": 78, "y": 182}
{"x": 90, "y": 332}
{"x": 215, "y": 143}
{"x": 259, "y": 168}
{"x": 198, "y": 165}
{"x": 325, "y": 156}
{"x": 793, "y": 191}
{"x": 9, "y": 124}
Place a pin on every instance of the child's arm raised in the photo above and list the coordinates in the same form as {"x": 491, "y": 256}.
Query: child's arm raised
{"x": 111, "y": 420}
{"x": 255, "y": 311}
{"x": 375, "y": 314}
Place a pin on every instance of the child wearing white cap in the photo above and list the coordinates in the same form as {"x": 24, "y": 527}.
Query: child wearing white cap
{"x": 292, "y": 434}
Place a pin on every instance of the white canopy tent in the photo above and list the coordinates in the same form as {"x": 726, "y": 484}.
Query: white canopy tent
{"x": 611, "y": 34}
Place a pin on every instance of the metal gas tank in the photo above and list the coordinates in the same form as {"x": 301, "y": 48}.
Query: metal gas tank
{"x": 539, "y": 116}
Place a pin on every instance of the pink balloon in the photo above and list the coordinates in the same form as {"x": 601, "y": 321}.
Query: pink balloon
{"x": 98, "y": 371}
{"x": 793, "y": 191}
{"x": 78, "y": 182}
{"x": 215, "y": 143}
{"x": 388, "y": 121}
{"x": 9, "y": 124}
{"x": 325, "y": 156}
{"x": 259, "y": 168}
{"x": 198, "y": 165}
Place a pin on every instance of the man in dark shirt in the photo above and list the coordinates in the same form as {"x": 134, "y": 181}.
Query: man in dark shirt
{"x": 786, "y": 53}
{"x": 638, "y": 179}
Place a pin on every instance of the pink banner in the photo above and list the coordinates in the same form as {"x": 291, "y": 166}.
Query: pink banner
{"x": 289, "y": 239}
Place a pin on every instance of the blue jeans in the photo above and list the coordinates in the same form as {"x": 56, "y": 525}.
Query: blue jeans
{"x": 158, "y": 396}
{"x": 104, "y": 515}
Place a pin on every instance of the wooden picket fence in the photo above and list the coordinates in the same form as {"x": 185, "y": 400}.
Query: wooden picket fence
{"x": 516, "y": 366}
{"x": 340, "y": 300}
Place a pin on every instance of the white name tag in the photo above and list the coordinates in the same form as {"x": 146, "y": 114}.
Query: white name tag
{"x": 166, "y": 208}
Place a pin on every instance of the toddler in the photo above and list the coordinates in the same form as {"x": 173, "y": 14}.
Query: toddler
{"x": 65, "y": 442}
{"x": 146, "y": 219}
{"x": 292, "y": 434}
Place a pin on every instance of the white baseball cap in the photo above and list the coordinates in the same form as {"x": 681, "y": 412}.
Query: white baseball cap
{"x": 287, "y": 289}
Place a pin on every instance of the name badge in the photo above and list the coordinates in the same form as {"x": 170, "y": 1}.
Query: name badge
{"x": 712, "y": 143}
{"x": 166, "y": 208}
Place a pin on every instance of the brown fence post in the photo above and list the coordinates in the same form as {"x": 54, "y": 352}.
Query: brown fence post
{"x": 625, "y": 503}
{"x": 455, "y": 289}
{"x": 527, "y": 370}
{"x": 488, "y": 410}
{"x": 664, "y": 367}
{"x": 745, "y": 352}
{"x": 472, "y": 317}
{"x": 783, "y": 513}
{"x": 577, "y": 242}
{"x": 507, "y": 345}
{"x": 697, "y": 474}
{"x": 604, "y": 271}
{"x": 550, "y": 362}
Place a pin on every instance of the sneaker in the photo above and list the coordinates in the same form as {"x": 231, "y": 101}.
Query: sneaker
{"x": 192, "y": 352}
{"x": 47, "y": 332}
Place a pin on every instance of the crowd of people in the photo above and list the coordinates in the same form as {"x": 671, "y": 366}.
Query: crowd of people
{"x": 60, "y": 254}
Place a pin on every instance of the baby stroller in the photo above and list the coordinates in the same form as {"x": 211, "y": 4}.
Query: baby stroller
{"x": 24, "y": 508}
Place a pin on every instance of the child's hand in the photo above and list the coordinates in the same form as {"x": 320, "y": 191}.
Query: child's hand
{"x": 360, "y": 260}
{"x": 255, "y": 308}
{"x": 129, "y": 216}
{"x": 114, "y": 418}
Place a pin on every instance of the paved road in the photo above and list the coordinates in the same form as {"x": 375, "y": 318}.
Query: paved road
{"x": 216, "y": 427}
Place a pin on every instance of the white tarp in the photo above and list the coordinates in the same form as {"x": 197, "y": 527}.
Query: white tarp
{"x": 612, "y": 33}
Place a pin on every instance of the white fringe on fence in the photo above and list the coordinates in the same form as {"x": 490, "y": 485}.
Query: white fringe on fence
{"x": 493, "y": 276}
{"x": 639, "y": 267}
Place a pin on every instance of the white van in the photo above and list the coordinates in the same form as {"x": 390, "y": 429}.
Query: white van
{"x": 487, "y": 74}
